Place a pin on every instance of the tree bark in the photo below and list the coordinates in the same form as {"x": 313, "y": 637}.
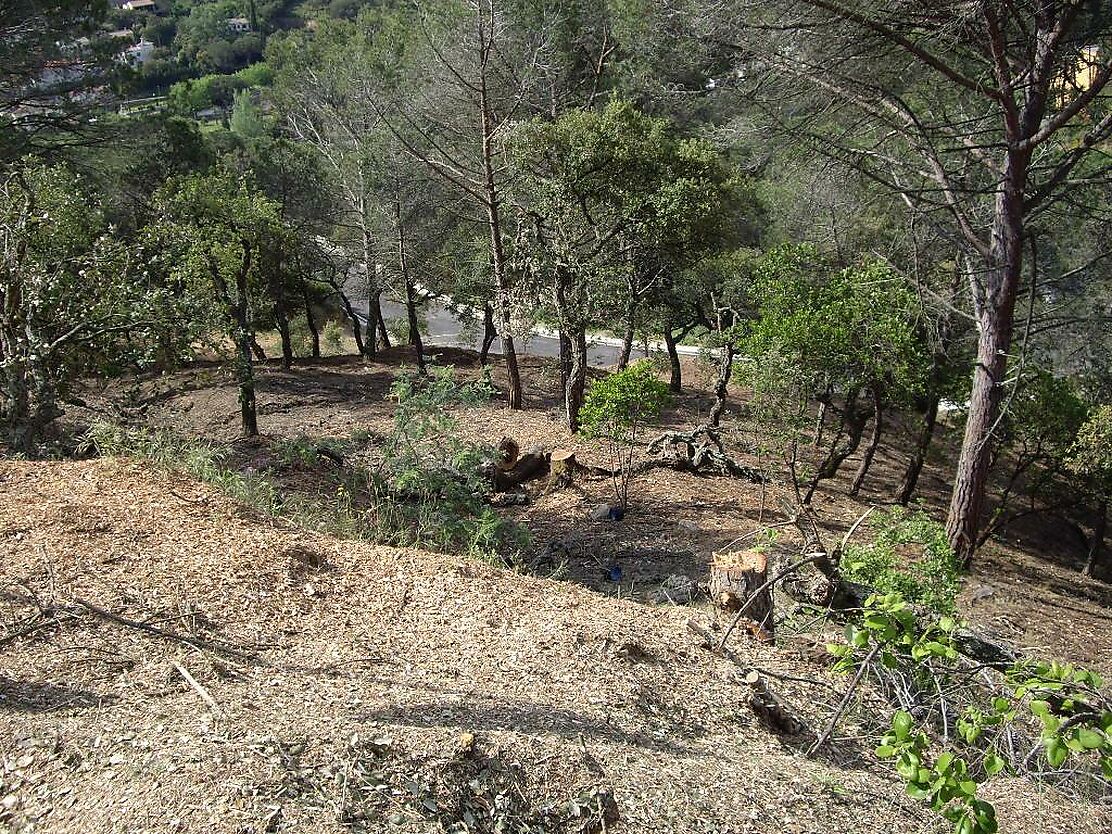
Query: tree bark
{"x": 356, "y": 327}
{"x": 282, "y": 321}
{"x": 246, "y": 369}
{"x": 489, "y": 334}
{"x": 739, "y": 581}
{"x": 369, "y": 346}
{"x": 919, "y": 455}
{"x": 382, "y": 327}
{"x": 493, "y": 203}
{"x": 675, "y": 382}
{"x": 410, "y": 292}
{"x": 1095, "y": 564}
{"x": 874, "y": 441}
{"x": 845, "y": 444}
{"x": 311, "y": 322}
{"x": 628, "y": 335}
{"x": 994, "y": 304}
{"x": 721, "y": 387}
{"x": 577, "y": 378}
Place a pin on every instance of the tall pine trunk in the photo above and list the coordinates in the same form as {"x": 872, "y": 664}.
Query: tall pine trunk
{"x": 994, "y": 301}
{"x": 410, "y": 292}
{"x": 493, "y": 203}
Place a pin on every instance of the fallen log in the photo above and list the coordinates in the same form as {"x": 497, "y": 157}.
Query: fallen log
{"x": 530, "y": 466}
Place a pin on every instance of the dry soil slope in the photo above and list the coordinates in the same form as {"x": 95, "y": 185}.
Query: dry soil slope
{"x": 99, "y": 731}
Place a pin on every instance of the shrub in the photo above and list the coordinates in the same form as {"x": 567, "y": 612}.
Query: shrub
{"x": 908, "y": 555}
{"x": 616, "y": 408}
{"x": 332, "y": 337}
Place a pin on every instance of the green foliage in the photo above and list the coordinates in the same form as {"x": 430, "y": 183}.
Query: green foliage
{"x": 616, "y": 408}
{"x": 76, "y": 298}
{"x": 1091, "y": 452}
{"x": 945, "y": 782}
{"x": 1064, "y": 702}
{"x": 332, "y": 337}
{"x": 842, "y": 328}
{"x": 909, "y": 555}
{"x": 438, "y": 478}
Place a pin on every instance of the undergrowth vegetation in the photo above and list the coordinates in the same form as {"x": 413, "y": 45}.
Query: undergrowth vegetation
{"x": 958, "y": 723}
{"x": 907, "y": 554}
{"x": 423, "y": 486}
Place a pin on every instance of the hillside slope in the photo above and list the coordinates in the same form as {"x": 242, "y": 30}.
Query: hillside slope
{"x": 338, "y": 686}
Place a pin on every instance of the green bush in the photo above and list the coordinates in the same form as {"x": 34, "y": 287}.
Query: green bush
{"x": 908, "y": 555}
{"x": 332, "y": 337}
{"x": 616, "y": 408}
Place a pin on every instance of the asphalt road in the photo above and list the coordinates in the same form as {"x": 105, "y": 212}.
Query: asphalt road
{"x": 446, "y": 330}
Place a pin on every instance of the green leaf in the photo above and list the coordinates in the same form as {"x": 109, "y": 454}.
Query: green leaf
{"x": 1056, "y": 751}
{"x": 885, "y": 751}
{"x": 1089, "y": 739}
{"x": 901, "y": 724}
{"x": 993, "y": 764}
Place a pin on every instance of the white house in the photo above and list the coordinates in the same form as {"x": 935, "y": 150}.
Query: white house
{"x": 137, "y": 55}
{"x": 141, "y": 6}
{"x": 239, "y": 25}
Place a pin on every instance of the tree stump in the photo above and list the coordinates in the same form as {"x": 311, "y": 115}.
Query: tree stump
{"x": 736, "y": 585}
{"x": 563, "y": 462}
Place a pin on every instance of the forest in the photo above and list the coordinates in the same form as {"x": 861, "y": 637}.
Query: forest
{"x": 549, "y": 415}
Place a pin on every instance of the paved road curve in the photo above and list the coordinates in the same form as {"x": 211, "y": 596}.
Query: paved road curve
{"x": 445, "y": 329}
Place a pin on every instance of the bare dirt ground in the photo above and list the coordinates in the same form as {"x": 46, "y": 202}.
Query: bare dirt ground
{"x": 173, "y": 662}
{"x": 1025, "y": 588}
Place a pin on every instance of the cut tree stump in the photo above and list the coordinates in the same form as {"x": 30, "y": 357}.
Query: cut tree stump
{"x": 563, "y": 462}
{"x": 739, "y": 580}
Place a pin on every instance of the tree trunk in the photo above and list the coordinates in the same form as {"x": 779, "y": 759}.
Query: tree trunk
{"x": 246, "y": 369}
{"x": 994, "y": 294}
{"x": 369, "y": 347}
{"x": 627, "y": 336}
{"x": 410, "y": 292}
{"x": 874, "y": 442}
{"x": 493, "y": 202}
{"x": 257, "y": 349}
{"x": 820, "y": 420}
{"x": 577, "y": 378}
{"x": 737, "y": 583}
{"x": 283, "y": 322}
{"x": 845, "y": 444}
{"x": 489, "y": 334}
{"x": 382, "y": 326}
{"x": 311, "y": 322}
{"x": 675, "y": 383}
{"x": 1095, "y": 564}
{"x": 725, "y": 371}
{"x": 356, "y": 327}
{"x": 919, "y": 456}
